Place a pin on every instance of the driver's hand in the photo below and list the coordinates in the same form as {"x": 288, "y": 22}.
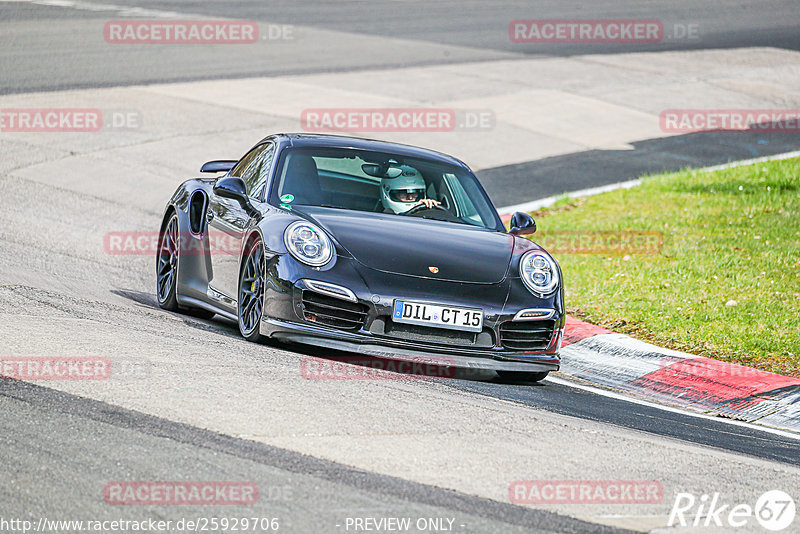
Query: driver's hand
{"x": 428, "y": 202}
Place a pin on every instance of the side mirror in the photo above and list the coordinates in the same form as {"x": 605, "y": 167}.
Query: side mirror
{"x": 233, "y": 187}
{"x": 218, "y": 165}
{"x": 522, "y": 224}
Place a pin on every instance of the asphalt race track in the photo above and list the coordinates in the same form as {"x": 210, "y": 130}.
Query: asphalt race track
{"x": 466, "y": 30}
{"x": 192, "y": 401}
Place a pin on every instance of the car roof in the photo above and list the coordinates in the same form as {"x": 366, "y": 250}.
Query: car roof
{"x": 342, "y": 141}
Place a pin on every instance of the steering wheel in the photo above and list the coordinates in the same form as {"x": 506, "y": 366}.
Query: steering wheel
{"x": 420, "y": 207}
{"x": 441, "y": 213}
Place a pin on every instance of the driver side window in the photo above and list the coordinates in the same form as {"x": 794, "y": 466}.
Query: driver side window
{"x": 254, "y": 169}
{"x": 255, "y": 176}
{"x": 246, "y": 161}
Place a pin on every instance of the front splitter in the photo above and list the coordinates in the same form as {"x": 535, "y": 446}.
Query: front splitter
{"x": 355, "y": 343}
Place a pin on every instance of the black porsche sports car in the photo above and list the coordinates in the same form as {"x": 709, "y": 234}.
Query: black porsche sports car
{"x": 364, "y": 246}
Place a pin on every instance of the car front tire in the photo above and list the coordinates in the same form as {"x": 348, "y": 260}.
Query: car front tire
{"x": 251, "y": 291}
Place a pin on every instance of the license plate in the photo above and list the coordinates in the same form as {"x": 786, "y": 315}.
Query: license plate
{"x": 438, "y": 316}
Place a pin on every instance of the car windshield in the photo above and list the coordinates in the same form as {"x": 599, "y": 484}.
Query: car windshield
{"x": 380, "y": 182}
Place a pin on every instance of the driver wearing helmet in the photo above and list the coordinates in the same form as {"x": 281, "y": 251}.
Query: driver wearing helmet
{"x": 407, "y": 191}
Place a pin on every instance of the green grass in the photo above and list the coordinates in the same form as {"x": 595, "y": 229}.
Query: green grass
{"x": 729, "y": 235}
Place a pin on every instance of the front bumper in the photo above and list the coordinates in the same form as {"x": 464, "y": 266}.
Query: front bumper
{"x": 401, "y": 350}
{"x": 284, "y": 317}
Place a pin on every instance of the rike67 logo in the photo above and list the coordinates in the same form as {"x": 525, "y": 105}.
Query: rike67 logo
{"x": 774, "y": 511}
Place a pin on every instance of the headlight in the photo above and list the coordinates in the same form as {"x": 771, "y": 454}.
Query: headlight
{"x": 539, "y": 272}
{"x": 308, "y": 244}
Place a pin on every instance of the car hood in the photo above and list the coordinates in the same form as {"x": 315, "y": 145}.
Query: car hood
{"x": 416, "y": 247}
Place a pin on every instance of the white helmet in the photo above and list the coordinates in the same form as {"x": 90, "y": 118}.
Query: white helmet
{"x": 402, "y": 193}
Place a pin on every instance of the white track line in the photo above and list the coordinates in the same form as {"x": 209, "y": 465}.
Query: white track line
{"x": 774, "y": 157}
{"x": 634, "y": 400}
{"x": 549, "y": 201}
